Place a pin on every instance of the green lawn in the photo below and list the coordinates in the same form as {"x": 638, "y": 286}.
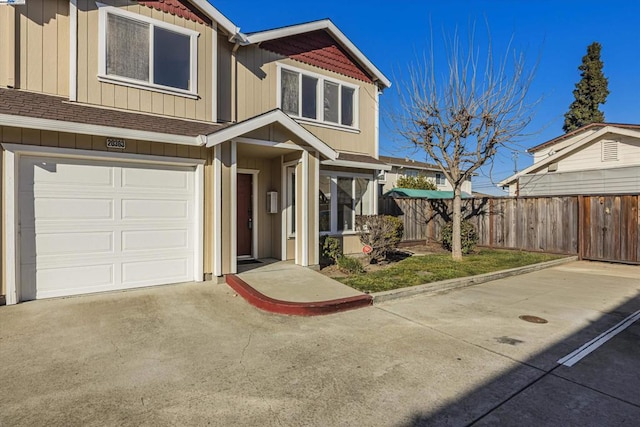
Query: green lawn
{"x": 418, "y": 270}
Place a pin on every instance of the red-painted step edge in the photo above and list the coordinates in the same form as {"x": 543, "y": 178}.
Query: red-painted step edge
{"x": 316, "y": 308}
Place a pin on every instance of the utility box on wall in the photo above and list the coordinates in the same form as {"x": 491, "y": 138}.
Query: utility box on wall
{"x": 272, "y": 202}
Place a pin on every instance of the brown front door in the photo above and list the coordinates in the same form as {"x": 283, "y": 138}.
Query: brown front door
{"x": 245, "y": 214}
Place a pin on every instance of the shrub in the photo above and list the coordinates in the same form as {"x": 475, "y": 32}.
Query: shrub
{"x": 381, "y": 232}
{"x": 468, "y": 236}
{"x": 350, "y": 265}
{"x": 419, "y": 182}
{"x": 330, "y": 248}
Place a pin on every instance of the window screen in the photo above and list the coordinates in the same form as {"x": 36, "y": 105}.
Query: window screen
{"x": 289, "y": 82}
{"x": 127, "y": 48}
{"x": 331, "y": 109}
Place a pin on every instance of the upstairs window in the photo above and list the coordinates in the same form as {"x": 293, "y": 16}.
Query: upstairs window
{"x": 317, "y": 98}
{"x": 440, "y": 179}
{"x": 146, "y": 53}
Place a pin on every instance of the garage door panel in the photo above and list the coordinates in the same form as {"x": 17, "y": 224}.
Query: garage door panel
{"x": 70, "y": 209}
{"x": 91, "y": 226}
{"x": 65, "y": 244}
{"x": 66, "y": 278}
{"x": 64, "y": 173}
{"x": 143, "y": 179}
{"x": 155, "y": 209}
{"x": 141, "y": 240}
{"x": 169, "y": 270}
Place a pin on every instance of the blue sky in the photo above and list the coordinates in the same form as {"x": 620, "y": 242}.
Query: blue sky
{"x": 557, "y": 32}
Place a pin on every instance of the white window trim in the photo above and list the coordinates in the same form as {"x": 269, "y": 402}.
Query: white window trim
{"x": 320, "y": 121}
{"x": 443, "y": 179}
{"x": 124, "y": 81}
{"x": 334, "y": 200}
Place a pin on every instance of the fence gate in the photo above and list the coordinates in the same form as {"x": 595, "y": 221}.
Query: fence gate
{"x": 609, "y": 228}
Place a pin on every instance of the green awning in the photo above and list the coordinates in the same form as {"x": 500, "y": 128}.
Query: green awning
{"x": 411, "y": 193}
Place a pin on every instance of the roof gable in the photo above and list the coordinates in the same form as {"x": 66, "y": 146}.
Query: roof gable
{"x": 345, "y": 46}
{"x": 591, "y": 126}
{"x": 615, "y": 129}
{"x": 318, "y": 48}
{"x": 179, "y": 8}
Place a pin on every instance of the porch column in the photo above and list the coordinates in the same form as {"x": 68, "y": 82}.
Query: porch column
{"x": 303, "y": 242}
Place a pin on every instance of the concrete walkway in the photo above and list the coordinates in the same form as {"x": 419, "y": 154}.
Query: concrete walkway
{"x": 285, "y": 288}
{"x": 283, "y": 280}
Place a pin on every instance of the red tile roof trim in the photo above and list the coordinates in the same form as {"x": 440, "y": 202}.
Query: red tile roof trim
{"x": 320, "y": 49}
{"x": 178, "y": 8}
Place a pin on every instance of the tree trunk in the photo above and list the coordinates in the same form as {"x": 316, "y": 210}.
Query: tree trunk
{"x": 456, "y": 243}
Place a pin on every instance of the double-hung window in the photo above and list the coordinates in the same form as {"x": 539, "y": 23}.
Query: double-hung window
{"x": 342, "y": 197}
{"x": 440, "y": 179}
{"x": 317, "y": 98}
{"x": 147, "y": 53}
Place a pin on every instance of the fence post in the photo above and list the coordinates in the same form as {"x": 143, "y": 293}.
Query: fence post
{"x": 581, "y": 222}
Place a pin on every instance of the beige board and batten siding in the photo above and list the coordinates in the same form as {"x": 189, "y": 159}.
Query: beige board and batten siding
{"x": 257, "y": 93}
{"x": 93, "y": 91}
{"x": 34, "y": 46}
{"x": 14, "y": 135}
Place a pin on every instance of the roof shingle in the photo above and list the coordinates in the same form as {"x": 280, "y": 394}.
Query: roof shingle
{"x": 28, "y": 104}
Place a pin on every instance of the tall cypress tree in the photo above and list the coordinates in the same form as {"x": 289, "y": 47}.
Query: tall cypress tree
{"x": 590, "y": 92}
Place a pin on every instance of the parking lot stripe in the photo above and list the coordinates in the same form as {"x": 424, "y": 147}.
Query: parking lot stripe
{"x": 574, "y": 357}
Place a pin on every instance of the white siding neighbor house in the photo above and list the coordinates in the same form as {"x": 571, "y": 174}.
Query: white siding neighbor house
{"x": 408, "y": 167}
{"x": 599, "y": 158}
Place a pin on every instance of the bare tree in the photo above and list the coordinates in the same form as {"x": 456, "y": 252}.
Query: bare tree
{"x": 462, "y": 116}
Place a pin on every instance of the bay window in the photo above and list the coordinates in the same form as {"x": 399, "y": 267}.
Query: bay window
{"x": 353, "y": 196}
{"x": 146, "y": 53}
{"x": 317, "y": 98}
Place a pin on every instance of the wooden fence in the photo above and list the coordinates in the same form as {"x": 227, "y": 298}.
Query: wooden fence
{"x": 594, "y": 227}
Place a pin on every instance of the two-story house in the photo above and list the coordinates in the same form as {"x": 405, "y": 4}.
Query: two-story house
{"x": 599, "y": 158}
{"x": 151, "y": 142}
{"x": 402, "y": 167}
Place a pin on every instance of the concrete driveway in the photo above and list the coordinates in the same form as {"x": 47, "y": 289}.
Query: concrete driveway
{"x": 198, "y": 355}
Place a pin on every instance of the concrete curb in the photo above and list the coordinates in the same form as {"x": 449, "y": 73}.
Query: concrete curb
{"x": 463, "y": 282}
{"x": 315, "y": 308}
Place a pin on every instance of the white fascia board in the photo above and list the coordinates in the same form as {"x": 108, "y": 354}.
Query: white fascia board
{"x": 570, "y": 150}
{"x": 217, "y": 16}
{"x": 275, "y": 116}
{"x": 357, "y": 165}
{"x": 98, "y": 130}
{"x": 324, "y": 24}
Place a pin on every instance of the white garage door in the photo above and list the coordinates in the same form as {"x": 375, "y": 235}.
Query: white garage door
{"x": 92, "y": 226}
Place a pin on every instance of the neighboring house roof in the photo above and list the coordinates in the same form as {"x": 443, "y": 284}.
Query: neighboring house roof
{"x": 408, "y": 163}
{"x": 357, "y": 161}
{"x": 411, "y": 193}
{"x": 560, "y": 138}
{"x": 265, "y": 119}
{"x": 322, "y": 52}
{"x": 39, "y": 111}
{"x": 626, "y": 130}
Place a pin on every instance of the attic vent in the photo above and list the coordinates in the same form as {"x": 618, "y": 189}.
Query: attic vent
{"x": 609, "y": 151}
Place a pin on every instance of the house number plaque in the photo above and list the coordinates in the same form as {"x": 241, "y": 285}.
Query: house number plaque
{"x": 120, "y": 144}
